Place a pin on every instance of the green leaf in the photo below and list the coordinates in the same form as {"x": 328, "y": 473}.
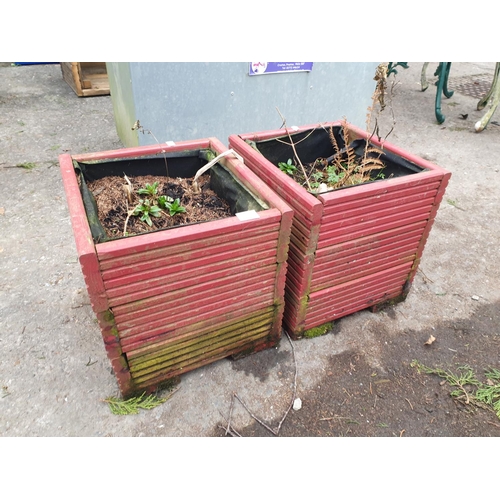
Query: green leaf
{"x": 155, "y": 211}
{"x": 164, "y": 201}
{"x": 288, "y": 167}
{"x": 176, "y": 207}
{"x": 149, "y": 189}
{"x": 145, "y": 218}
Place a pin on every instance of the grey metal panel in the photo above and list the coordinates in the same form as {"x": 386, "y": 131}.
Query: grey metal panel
{"x": 180, "y": 101}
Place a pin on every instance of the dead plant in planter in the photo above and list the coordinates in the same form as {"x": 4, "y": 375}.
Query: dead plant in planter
{"x": 354, "y": 161}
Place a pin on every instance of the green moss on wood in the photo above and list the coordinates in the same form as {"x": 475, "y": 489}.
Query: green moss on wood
{"x": 318, "y": 330}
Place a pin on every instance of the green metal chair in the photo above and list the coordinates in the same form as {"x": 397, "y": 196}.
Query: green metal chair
{"x": 493, "y": 96}
{"x": 443, "y": 73}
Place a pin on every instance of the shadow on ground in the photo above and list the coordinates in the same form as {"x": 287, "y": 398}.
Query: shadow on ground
{"x": 354, "y": 399}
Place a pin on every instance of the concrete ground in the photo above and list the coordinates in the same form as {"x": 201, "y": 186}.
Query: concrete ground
{"x": 54, "y": 372}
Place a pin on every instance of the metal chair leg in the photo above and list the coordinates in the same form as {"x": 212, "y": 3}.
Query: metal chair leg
{"x": 423, "y": 77}
{"x": 442, "y": 72}
{"x": 494, "y": 96}
{"x": 482, "y": 103}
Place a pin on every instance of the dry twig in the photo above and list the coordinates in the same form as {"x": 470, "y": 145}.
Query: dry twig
{"x": 275, "y": 431}
{"x": 295, "y": 151}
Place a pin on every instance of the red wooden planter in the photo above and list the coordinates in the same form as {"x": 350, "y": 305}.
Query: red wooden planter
{"x": 173, "y": 300}
{"x": 351, "y": 248}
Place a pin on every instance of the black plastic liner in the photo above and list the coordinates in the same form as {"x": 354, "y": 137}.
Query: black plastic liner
{"x": 311, "y": 145}
{"x": 184, "y": 165}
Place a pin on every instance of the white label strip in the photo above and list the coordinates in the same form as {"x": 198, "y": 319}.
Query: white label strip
{"x": 248, "y": 215}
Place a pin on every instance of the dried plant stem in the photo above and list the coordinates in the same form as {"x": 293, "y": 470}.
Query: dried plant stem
{"x": 229, "y": 429}
{"x": 276, "y": 431}
{"x": 295, "y": 151}
{"x": 137, "y": 126}
{"x": 129, "y": 213}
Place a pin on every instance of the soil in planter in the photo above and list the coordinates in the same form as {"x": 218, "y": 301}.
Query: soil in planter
{"x": 114, "y": 206}
{"x": 350, "y": 164}
{"x": 331, "y": 164}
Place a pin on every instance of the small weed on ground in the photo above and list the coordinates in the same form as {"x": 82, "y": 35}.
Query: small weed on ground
{"x": 27, "y": 165}
{"x": 467, "y": 388}
{"x": 132, "y": 405}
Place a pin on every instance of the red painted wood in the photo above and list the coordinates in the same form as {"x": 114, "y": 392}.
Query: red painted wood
{"x": 281, "y": 183}
{"x": 384, "y": 222}
{"x": 437, "y": 201}
{"x": 185, "y": 349}
{"x": 198, "y": 265}
{"x": 375, "y": 215}
{"x": 376, "y": 277}
{"x": 196, "y": 303}
{"x": 138, "y": 151}
{"x": 369, "y": 228}
{"x": 362, "y": 299}
{"x": 160, "y": 302}
{"x": 83, "y": 238}
{"x": 193, "y": 312}
{"x": 389, "y": 197}
{"x": 153, "y": 286}
{"x": 347, "y": 215}
{"x": 361, "y": 293}
{"x": 392, "y": 249}
{"x": 255, "y": 345}
{"x": 207, "y": 323}
{"x": 185, "y": 281}
{"x": 149, "y": 350}
{"x": 180, "y": 235}
{"x": 381, "y": 188}
{"x": 220, "y": 349}
{"x": 350, "y": 308}
{"x": 121, "y": 264}
{"x": 363, "y": 267}
{"x": 337, "y": 253}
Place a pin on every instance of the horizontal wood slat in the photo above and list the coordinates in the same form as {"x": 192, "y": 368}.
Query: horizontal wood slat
{"x": 186, "y": 353}
{"x": 339, "y": 235}
{"x": 374, "y": 215}
{"x": 198, "y": 291}
{"x": 364, "y": 268}
{"x": 195, "y": 323}
{"x": 349, "y": 208}
{"x": 252, "y": 342}
{"x": 369, "y": 237}
{"x": 322, "y": 317}
{"x": 199, "y": 264}
{"x": 348, "y": 249}
{"x": 235, "y": 267}
{"x": 116, "y": 260}
{"x": 181, "y": 353}
{"x": 359, "y": 293}
{"x": 173, "y": 256}
{"x": 293, "y": 194}
{"x": 380, "y": 188}
{"x": 170, "y": 346}
{"x": 193, "y": 311}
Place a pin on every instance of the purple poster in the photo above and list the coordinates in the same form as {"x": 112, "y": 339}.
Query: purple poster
{"x": 265, "y": 68}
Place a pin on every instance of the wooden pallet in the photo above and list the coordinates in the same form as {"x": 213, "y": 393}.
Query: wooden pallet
{"x": 86, "y": 78}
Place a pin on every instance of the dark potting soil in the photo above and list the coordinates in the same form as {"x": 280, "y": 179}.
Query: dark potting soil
{"x": 115, "y": 208}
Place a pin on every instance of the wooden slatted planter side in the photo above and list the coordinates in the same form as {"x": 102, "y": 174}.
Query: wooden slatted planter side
{"x": 156, "y": 294}
{"x": 361, "y": 219}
